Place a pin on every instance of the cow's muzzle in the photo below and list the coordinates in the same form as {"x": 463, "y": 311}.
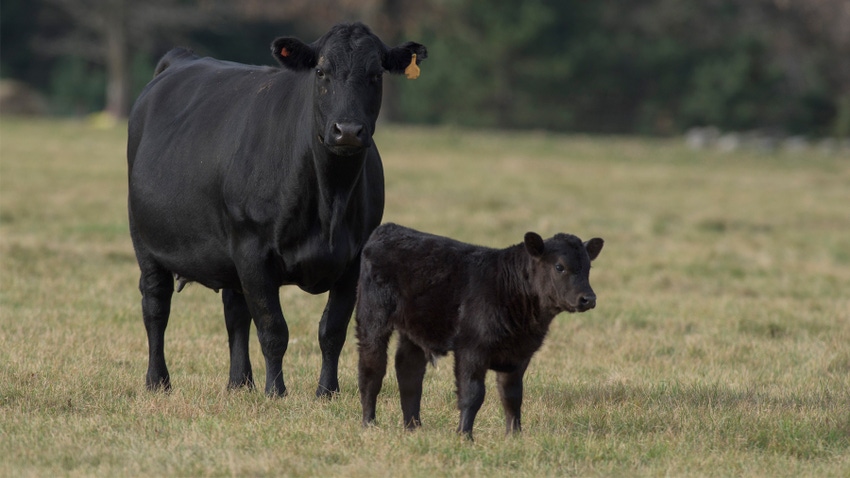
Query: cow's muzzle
{"x": 347, "y": 137}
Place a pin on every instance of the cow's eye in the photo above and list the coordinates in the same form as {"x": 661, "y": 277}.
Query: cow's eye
{"x": 320, "y": 73}
{"x": 559, "y": 268}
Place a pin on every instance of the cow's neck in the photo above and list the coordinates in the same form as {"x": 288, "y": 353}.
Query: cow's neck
{"x": 337, "y": 177}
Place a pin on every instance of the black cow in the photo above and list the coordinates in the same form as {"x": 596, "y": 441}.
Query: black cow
{"x": 247, "y": 178}
{"x": 492, "y": 307}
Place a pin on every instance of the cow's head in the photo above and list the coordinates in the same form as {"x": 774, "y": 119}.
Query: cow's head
{"x": 347, "y": 65}
{"x": 560, "y": 270}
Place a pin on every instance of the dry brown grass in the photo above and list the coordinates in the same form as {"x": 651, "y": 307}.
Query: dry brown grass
{"x": 720, "y": 345}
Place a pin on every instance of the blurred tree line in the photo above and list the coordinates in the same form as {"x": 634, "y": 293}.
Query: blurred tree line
{"x": 604, "y": 66}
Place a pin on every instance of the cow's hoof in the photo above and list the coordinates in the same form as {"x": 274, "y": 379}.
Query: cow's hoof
{"x": 325, "y": 393}
{"x": 241, "y": 385}
{"x": 162, "y": 385}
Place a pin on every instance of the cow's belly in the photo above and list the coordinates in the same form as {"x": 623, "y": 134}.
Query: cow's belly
{"x": 185, "y": 241}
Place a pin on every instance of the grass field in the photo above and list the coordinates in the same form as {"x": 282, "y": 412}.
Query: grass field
{"x": 720, "y": 345}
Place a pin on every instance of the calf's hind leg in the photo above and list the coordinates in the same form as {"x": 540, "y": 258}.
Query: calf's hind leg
{"x": 410, "y": 364}
{"x": 371, "y": 368}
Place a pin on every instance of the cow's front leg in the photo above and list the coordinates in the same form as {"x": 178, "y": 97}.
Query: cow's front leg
{"x": 262, "y": 297}
{"x": 510, "y": 391}
{"x": 333, "y": 328}
{"x": 272, "y": 332}
{"x": 469, "y": 374}
{"x": 237, "y": 317}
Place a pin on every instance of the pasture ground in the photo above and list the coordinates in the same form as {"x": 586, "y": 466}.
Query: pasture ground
{"x": 720, "y": 345}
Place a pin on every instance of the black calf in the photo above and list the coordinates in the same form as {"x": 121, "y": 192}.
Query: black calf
{"x": 492, "y": 307}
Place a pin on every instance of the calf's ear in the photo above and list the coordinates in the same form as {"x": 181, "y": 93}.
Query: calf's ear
{"x": 401, "y": 59}
{"x": 534, "y": 244}
{"x": 594, "y": 247}
{"x": 294, "y": 54}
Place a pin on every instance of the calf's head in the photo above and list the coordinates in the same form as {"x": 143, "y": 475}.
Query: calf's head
{"x": 559, "y": 270}
{"x": 347, "y": 64}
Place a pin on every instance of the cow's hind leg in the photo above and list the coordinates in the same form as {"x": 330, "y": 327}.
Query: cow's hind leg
{"x": 157, "y": 287}
{"x": 238, "y": 320}
{"x": 410, "y": 364}
{"x": 333, "y": 328}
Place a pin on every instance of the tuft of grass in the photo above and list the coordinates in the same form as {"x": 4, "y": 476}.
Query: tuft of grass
{"x": 719, "y": 345}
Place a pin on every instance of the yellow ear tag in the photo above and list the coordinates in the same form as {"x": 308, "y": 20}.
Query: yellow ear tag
{"x": 412, "y": 70}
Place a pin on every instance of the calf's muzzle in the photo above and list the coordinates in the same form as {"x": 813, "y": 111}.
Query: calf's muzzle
{"x": 586, "y": 301}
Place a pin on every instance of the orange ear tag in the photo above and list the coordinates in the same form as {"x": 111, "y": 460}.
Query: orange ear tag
{"x": 412, "y": 70}
{"x": 284, "y": 52}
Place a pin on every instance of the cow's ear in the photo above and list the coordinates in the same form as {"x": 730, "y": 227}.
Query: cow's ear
{"x": 534, "y": 244}
{"x": 405, "y": 58}
{"x": 594, "y": 247}
{"x": 293, "y": 53}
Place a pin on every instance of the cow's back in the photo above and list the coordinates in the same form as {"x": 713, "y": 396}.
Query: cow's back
{"x": 207, "y": 105}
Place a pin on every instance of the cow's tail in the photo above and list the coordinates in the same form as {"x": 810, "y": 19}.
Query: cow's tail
{"x": 171, "y": 57}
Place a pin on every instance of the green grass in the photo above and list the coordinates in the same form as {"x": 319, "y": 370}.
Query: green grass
{"x": 720, "y": 345}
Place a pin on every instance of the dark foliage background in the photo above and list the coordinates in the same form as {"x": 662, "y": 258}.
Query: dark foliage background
{"x": 607, "y": 66}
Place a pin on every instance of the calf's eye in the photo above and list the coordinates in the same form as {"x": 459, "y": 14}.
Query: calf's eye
{"x": 320, "y": 74}
{"x": 559, "y": 268}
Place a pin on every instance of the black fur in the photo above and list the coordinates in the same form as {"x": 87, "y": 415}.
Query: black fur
{"x": 246, "y": 178}
{"x": 492, "y": 307}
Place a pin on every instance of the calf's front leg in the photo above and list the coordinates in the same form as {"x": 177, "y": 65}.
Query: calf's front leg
{"x": 469, "y": 375}
{"x": 509, "y": 385}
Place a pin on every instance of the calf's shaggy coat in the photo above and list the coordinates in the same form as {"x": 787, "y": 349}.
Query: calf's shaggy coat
{"x": 492, "y": 307}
